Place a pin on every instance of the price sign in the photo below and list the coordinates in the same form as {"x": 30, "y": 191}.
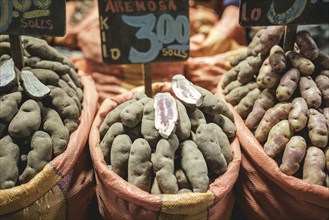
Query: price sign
{"x": 32, "y": 17}
{"x": 144, "y": 31}
{"x": 283, "y": 12}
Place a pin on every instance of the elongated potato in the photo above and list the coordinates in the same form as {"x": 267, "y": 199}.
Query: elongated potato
{"x": 269, "y": 38}
{"x": 267, "y": 77}
{"x": 277, "y": 139}
{"x": 139, "y": 165}
{"x": 235, "y": 95}
{"x": 277, "y": 59}
{"x": 194, "y": 166}
{"x": 288, "y": 84}
{"x": 232, "y": 85}
{"x": 272, "y": 116}
{"x": 298, "y": 115}
{"x": 230, "y": 76}
{"x": 322, "y": 61}
{"x": 207, "y": 141}
{"x": 323, "y": 84}
{"x": 307, "y": 45}
{"x": 318, "y": 129}
{"x": 293, "y": 155}
{"x": 265, "y": 101}
{"x": 9, "y": 107}
{"x": 120, "y": 152}
{"x": 245, "y": 105}
{"x": 248, "y": 68}
{"x": 223, "y": 142}
{"x": 197, "y": 118}
{"x": 132, "y": 114}
{"x": 224, "y": 123}
{"x": 298, "y": 61}
{"x": 310, "y": 92}
{"x": 183, "y": 130}
{"x": 182, "y": 180}
{"x": 314, "y": 164}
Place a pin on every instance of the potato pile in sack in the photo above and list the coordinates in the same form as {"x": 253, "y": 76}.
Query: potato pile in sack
{"x": 46, "y": 112}
{"x": 174, "y": 156}
{"x": 281, "y": 104}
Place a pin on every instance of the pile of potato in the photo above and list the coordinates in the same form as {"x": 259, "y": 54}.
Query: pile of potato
{"x": 166, "y": 145}
{"x": 284, "y": 98}
{"x": 40, "y": 107}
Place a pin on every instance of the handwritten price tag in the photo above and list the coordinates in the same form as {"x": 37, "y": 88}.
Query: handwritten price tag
{"x": 282, "y": 12}
{"x": 144, "y": 31}
{"x": 32, "y": 17}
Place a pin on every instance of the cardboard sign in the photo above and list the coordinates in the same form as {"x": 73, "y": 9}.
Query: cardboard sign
{"x": 283, "y": 12}
{"x": 144, "y": 31}
{"x": 32, "y": 17}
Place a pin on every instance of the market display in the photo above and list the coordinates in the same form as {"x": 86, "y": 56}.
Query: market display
{"x": 40, "y": 108}
{"x": 283, "y": 98}
{"x": 169, "y": 145}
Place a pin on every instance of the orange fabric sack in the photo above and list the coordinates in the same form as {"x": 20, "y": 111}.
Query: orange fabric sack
{"x": 119, "y": 199}
{"x": 264, "y": 192}
{"x": 64, "y": 188}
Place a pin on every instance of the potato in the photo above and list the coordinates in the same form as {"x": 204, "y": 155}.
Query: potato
{"x": 32, "y": 86}
{"x": 9, "y": 156}
{"x": 53, "y": 125}
{"x": 212, "y": 105}
{"x": 138, "y": 96}
{"x": 132, "y": 114}
{"x": 232, "y": 85}
{"x": 155, "y": 189}
{"x": 269, "y": 38}
{"x": 163, "y": 164}
{"x": 298, "y": 61}
{"x": 310, "y": 92}
{"x": 322, "y": 60}
{"x": 120, "y": 152}
{"x": 194, "y": 166}
{"x": 277, "y": 59}
{"x": 288, "y": 84}
{"x": 307, "y": 45}
{"x": 236, "y": 60}
{"x": 106, "y": 143}
{"x": 293, "y": 155}
{"x": 230, "y": 76}
{"x": 267, "y": 77}
{"x": 314, "y": 164}
{"x": 182, "y": 180}
{"x": 139, "y": 165}
{"x": 148, "y": 130}
{"x": 264, "y": 101}
{"x": 298, "y": 115}
{"x": 318, "y": 128}
{"x": 322, "y": 83}
{"x": 112, "y": 117}
{"x": 235, "y": 96}
{"x": 207, "y": 141}
{"x": 26, "y": 121}
{"x": 183, "y": 123}
{"x": 70, "y": 92}
{"x": 69, "y": 81}
{"x": 197, "y": 118}
{"x": 223, "y": 142}
{"x": 325, "y": 73}
{"x": 248, "y": 68}
{"x": 37, "y": 63}
{"x": 9, "y": 107}
{"x": 272, "y": 116}
{"x": 253, "y": 47}
{"x": 224, "y": 123}
{"x": 246, "y": 103}
{"x": 47, "y": 77}
{"x": 38, "y": 157}
{"x": 278, "y": 138}
{"x": 327, "y": 158}
{"x": 66, "y": 107}
{"x": 184, "y": 191}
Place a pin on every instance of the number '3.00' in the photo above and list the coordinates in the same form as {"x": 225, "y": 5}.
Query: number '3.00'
{"x": 167, "y": 29}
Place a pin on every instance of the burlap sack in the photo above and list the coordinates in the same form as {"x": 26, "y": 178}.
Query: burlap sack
{"x": 119, "y": 199}
{"x": 264, "y": 192}
{"x": 208, "y": 71}
{"x": 64, "y": 188}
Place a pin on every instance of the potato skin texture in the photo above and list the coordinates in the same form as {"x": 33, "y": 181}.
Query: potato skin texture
{"x": 148, "y": 130}
{"x": 288, "y": 84}
{"x": 207, "y": 141}
{"x": 224, "y": 123}
{"x": 194, "y": 166}
{"x": 277, "y": 59}
{"x": 246, "y": 103}
{"x": 278, "y": 138}
{"x": 269, "y": 38}
{"x": 293, "y": 155}
{"x": 9, "y": 107}
{"x": 265, "y": 101}
{"x": 139, "y": 165}
{"x": 38, "y": 157}
{"x": 272, "y": 116}
{"x": 307, "y": 45}
{"x": 9, "y": 156}
{"x": 310, "y": 92}
{"x": 267, "y": 77}
{"x": 318, "y": 128}
{"x": 248, "y": 68}
{"x": 235, "y": 95}
{"x": 183, "y": 125}
{"x": 197, "y": 118}
{"x": 120, "y": 152}
{"x": 132, "y": 114}
{"x": 163, "y": 164}
{"x": 314, "y": 164}
{"x": 298, "y": 115}
{"x": 322, "y": 83}
{"x": 26, "y": 121}
{"x": 298, "y": 61}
